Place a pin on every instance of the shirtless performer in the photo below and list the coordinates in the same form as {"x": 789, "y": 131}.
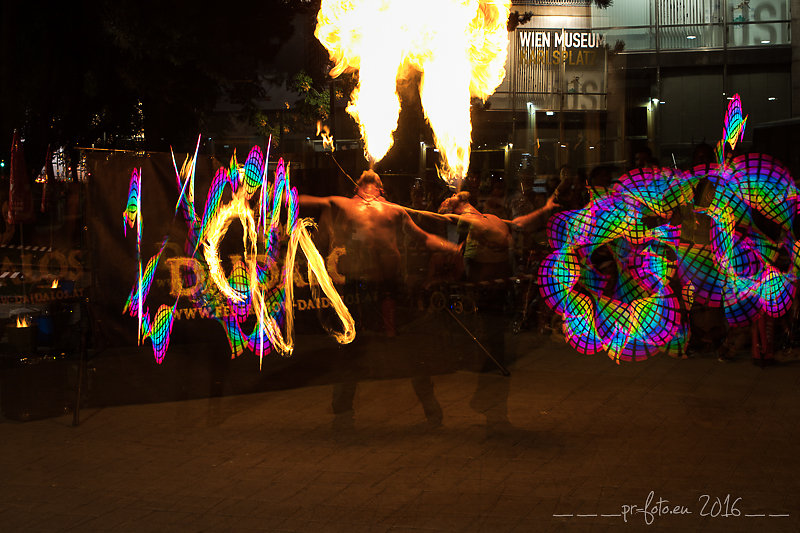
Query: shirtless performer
{"x": 368, "y": 227}
{"x": 488, "y": 243}
{"x": 487, "y": 256}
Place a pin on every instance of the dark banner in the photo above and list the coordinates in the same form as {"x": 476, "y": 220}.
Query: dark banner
{"x": 180, "y": 278}
{"x": 114, "y": 250}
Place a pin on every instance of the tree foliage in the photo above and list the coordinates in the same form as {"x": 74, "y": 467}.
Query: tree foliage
{"x": 311, "y": 105}
{"x": 515, "y": 18}
{"x": 96, "y": 72}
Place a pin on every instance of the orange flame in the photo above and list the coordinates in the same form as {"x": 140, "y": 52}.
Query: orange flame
{"x": 54, "y": 285}
{"x": 299, "y": 238}
{"x": 459, "y": 46}
{"x": 23, "y": 321}
{"x": 327, "y": 139}
{"x": 215, "y": 231}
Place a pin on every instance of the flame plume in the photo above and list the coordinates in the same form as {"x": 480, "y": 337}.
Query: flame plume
{"x": 327, "y": 139}
{"x": 459, "y": 46}
{"x": 253, "y": 291}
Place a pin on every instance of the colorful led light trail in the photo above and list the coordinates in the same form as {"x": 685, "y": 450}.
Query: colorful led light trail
{"x": 639, "y": 306}
{"x": 249, "y": 290}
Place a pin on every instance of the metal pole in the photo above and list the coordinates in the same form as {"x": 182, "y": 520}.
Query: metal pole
{"x": 84, "y": 309}
{"x": 499, "y": 365}
{"x": 85, "y": 243}
{"x": 332, "y": 116}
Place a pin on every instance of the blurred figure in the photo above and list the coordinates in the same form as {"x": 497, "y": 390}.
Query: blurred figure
{"x": 419, "y": 200}
{"x": 570, "y": 192}
{"x": 369, "y": 229}
{"x": 486, "y": 239}
{"x": 471, "y": 183}
{"x": 600, "y": 181}
{"x": 495, "y": 202}
{"x": 703, "y": 154}
{"x": 486, "y": 236}
{"x": 487, "y": 258}
{"x": 421, "y": 268}
{"x": 643, "y": 158}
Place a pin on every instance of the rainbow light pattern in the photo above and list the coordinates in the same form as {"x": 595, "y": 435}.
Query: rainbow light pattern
{"x": 159, "y": 329}
{"x": 141, "y": 289}
{"x": 643, "y": 309}
{"x": 258, "y": 302}
{"x": 132, "y": 215}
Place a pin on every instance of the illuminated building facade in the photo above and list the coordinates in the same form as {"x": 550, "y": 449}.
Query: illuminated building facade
{"x": 587, "y": 85}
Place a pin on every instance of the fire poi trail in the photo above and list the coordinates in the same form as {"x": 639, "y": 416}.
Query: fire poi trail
{"x": 643, "y": 313}
{"x": 251, "y": 289}
{"x": 459, "y": 46}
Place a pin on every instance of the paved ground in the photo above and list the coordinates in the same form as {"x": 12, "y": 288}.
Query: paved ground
{"x": 563, "y": 442}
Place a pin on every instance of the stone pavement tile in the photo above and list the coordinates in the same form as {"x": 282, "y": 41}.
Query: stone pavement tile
{"x": 314, "y": 454}
{"x": 542, "y": 509}
{"x": 372, "y": 513}
{"x": 153, "y": 501}
{"x": 100, "y": 500}
{"x": 17, "y": 518}
{"x": 485, "y": 479}
{"x": 195, "y": 504}
{"x": 310, "y": 495}
{"x": 270, "y": 519}
{"x": 396, "y": 497}
{"x": 248, "y": 507}
{"x": 462, "y": 441}
{"x": 290, "y": 493}
{"x": 281, "y": 513}
{"x": 244, "y": 485}
{"x": 165, "y": 519}
{"x": 469, "y": 499}
{"x": 335, "y": 474}
{"x": 296, "y": 473}
{"x": 435, "y": 443}
{"x": 405, "y": 519}
{"x": 329, "y": 527}
{"x": 329, "y": 513}
{"x": 449, "y": 519}
{"x": 409, "y": 478}
{"x": 534, "y": 486}
{"x": 369, "y": 514}
{"x": 445, "y": 481}
{"x": 512, "y": 505}
{"x": 445, "y": 498}
{"x": 409, "y": 529}
{"x": 245, "y": 523}
{"x": 495, "y": 522}
{"x": 355, "y": 495}
{"x": 263, "y": 472}
{"x": 43, "y": 500}
{"x": 202, "y": 484}
{"x": 578, "y": 504}
{"x": 587, "y": 432}
{"x": 123, "y": 519}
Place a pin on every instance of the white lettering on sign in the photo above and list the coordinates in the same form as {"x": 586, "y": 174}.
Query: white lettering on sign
{"x": 568, "y": 39}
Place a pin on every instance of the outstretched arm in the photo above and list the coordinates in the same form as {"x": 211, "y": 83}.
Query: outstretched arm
{"x": 431, "y": 215}
{"x": 432, "y": 242}
{"x": 535, "y": 219}
{"x": 317, "y": 204}
{"x": 314, "y": 202}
